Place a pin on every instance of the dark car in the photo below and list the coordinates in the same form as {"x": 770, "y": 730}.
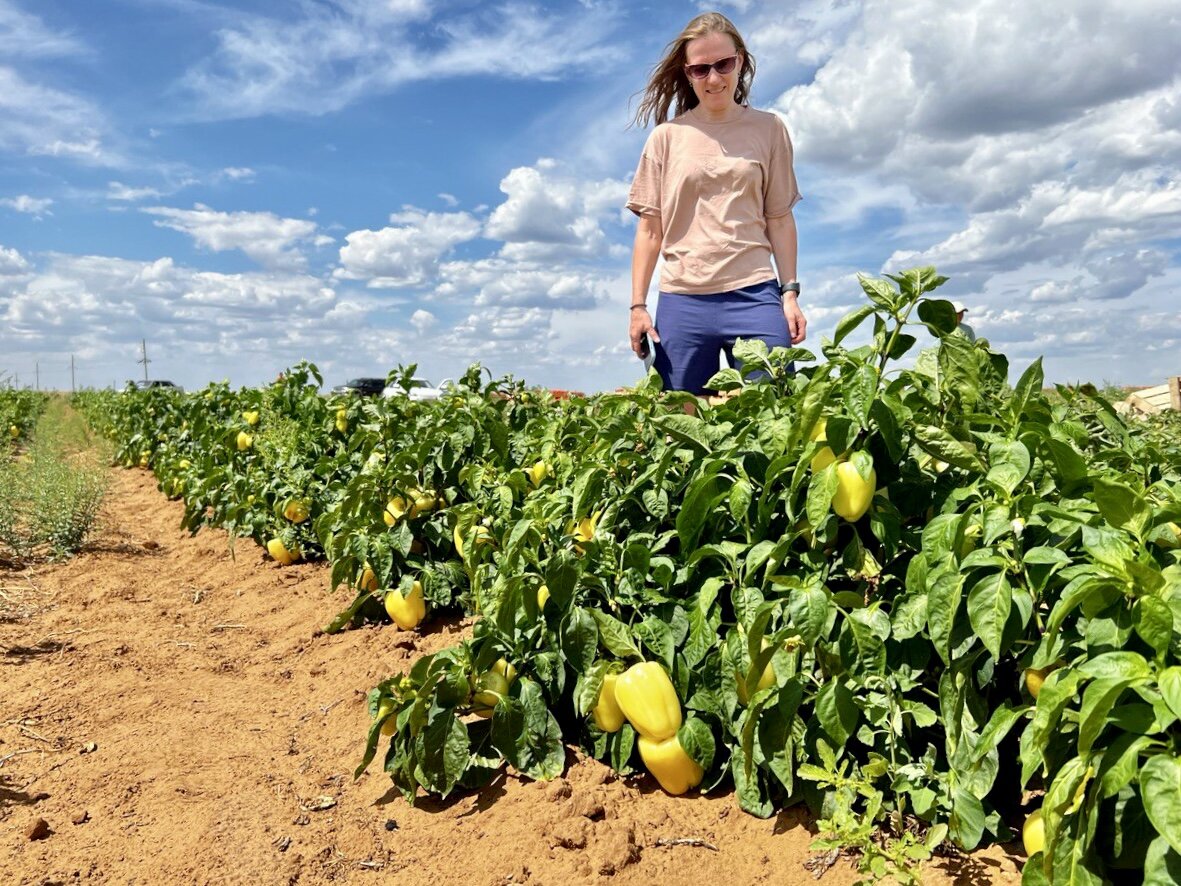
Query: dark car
{"x": 157, "y": 383}
{"x": 369, "y": 387}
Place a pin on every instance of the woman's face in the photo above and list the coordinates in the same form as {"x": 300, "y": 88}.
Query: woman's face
{"x": 715, "y": 91}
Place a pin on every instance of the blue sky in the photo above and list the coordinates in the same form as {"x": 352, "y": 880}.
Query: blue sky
{"x": 364, "y": 183}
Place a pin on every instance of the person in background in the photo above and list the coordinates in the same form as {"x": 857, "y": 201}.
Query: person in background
{"x": 961, "y": 326}
{"x": 714, "y": 191}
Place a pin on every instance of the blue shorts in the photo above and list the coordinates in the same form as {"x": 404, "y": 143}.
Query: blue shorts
{"x": 695, "y": 329}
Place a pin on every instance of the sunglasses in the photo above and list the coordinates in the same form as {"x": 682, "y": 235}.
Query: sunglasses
{"x": 722, "y": 66}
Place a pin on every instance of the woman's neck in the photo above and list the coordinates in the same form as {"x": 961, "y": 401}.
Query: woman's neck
{"x": 731, "y": 112}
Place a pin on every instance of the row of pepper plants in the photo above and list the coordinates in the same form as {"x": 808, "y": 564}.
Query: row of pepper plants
{"x": 19, "y": 409}
{"x": 856, "y": 585}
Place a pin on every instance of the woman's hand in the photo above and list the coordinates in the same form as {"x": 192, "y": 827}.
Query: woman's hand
{"x": 641, "y": 325}
{"x": 797, "y": 324}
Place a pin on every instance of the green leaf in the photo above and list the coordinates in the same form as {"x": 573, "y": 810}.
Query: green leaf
{"x": 697, "y": 741}
{"x": 820, "y": 492}
{"x": 1162, "y": 864}
{"x": 1120, "y": 504}
{"x": 1121, "y": 762}
{"x": 1009, "y": 464}
{"x": 1003, "y": 719}
{"x": 740, "y": 498}
{"x": 657, "y": 637}
{"x": 687, "y": 429}
{"x": 1098, "y": 700}
{"x": 808, "y": 611}
{"x": 939, "y": 443}
{"x": 704, "y": 493}
{"x": 850, "y": 322}
{"x": 989, "y": 603}
{"x": 966, "y": 826}
{"x": 1028, "y": 387}
{"x": 1153, "y": 620}
{"x": 443, "y": 754}
{"x": 939, "y": 316}
{"x": 526, "y": 733}
{"x": 1072, "y": 469}
{"x": 561, "y": 577}
{"x": 943, "y": 602}
{"x": 615, "y": 635}
{"x": 580, "y": 639}
{"x": 1160, "y": 786}
{"x": 837, "y": 711}
{"x": 1170, "y": 688}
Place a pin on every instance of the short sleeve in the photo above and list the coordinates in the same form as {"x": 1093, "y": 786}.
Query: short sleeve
{"x": 644, "y": 196}
{"x": 780, "y": 192}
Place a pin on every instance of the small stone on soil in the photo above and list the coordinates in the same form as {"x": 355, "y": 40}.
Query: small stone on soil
{"x": 81, "y": 817}
{"x": 38, "y": 830}
{"x": 391, "y": 825}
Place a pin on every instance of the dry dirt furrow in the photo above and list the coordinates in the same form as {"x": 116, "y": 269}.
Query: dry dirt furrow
{"x": 179, "y": 699}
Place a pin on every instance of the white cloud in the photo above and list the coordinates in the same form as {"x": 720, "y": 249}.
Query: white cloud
{"x": 332, "y": 57}
{"x": 43, "y": 121}
{"x": 36, "y": 206}
{"x": 237, "y": 173}
{"x": 265, "y": 237}
{"x": 12, "y": 263}
{"x": 407, "y": 252}
{"x": 22, "y": 34}
{"x": 550, "y": 215}
{"x": 127, "y": 194}
{"x": 423, "y": 320}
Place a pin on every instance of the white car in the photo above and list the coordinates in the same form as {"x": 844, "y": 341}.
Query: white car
{"x": 420, "y": 389}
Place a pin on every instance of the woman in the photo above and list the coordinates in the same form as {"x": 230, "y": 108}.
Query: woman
{"x": 714, "y": 192}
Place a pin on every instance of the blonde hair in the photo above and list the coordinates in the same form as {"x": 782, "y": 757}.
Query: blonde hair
{"x": 669, "y": 82}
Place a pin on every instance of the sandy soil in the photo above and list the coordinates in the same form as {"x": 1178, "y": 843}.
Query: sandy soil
{"x": 170, "y": 712}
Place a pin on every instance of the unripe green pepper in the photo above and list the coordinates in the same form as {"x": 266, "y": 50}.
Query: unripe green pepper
{"x": 649, "y": 701}
{"x": 670, "y": 765}
{"x": 607, "y": 713}
{"x": 506, "y": 670}
{"x": 490, "y": 689}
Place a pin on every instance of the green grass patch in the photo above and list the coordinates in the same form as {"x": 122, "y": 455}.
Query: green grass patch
{"x": 52, "y": 488}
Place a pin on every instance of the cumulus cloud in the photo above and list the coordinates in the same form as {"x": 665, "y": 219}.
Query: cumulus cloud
{"x": 35, "y": 206}
{"x": 550, "y": 215}
{"x": 12, "y": 263}
{"x": 265, "y": 237}
{"x": 407, "y": 252}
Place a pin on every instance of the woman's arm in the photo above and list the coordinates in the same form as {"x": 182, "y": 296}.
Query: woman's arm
{"x": 645, "y": 251}
{"x": 781, "y": 233}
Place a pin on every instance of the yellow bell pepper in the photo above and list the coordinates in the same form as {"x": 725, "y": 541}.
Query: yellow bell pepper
{"x": 670, "y": 765}
{"x": 483, "y": 537}
{"x": 607, "y": 713}
{"x": 505, "y": 669}
{"x": 368, "y": 579}
{"x": 538, "y": 473}
{"x": 542, "y": 596}
{"x": 853, "y": 494}
{"x": 245, "y": 441}
{"x": 649, "y": 700}
{"x": 395, "y": 508}
{"x": 407, "y": 612}
{"x": 279, "y": 552}
{"x": 250, "y": 417}
{"x": 825, "y": 456}
{"x": 296, "y": 511}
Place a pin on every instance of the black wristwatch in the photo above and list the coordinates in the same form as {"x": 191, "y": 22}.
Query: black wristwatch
{"x": 793, "y": 286}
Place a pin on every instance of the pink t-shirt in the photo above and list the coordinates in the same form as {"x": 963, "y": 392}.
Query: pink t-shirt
{"x": 714, "y": 185}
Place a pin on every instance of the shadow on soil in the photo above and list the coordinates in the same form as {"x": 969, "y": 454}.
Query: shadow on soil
{"x": 13, "y": 796}
{"x": 15, "y": 655}
{"x": 968, "y": 871}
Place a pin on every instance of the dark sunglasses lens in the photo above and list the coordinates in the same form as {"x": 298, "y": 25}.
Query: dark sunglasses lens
{"x": 698, "y": 72}
{"x": 726, "y": 65}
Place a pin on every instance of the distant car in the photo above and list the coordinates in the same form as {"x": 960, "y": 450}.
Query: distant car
{"x": 420, "y": 389}
{"x": 367, "y": 387}
{"x": 157, "y": 383}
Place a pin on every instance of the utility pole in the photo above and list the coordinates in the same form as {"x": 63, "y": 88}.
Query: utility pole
{"x": 73, "y": 389}
{"x": 144, "y": 359}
